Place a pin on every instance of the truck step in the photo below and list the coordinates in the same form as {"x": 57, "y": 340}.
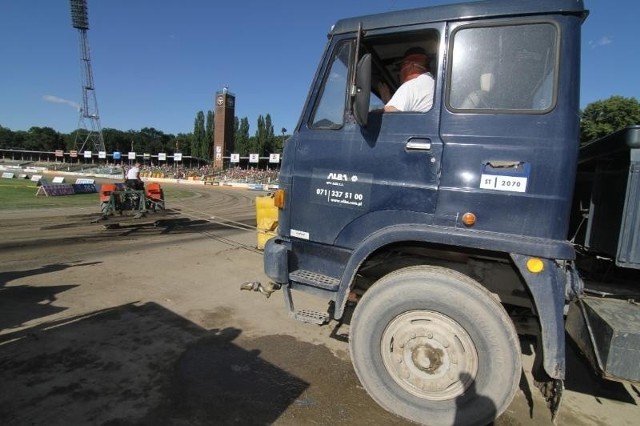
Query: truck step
{"x": 314, "y": 279}
{"x": 312, "y": 317}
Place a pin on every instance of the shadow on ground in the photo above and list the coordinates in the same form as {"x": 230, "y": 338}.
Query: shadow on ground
{"x": 143, "y": 364}
{"x": 581, "y": 377}
{"x": 134, "y": 364}
{"x": 22, "y": 303}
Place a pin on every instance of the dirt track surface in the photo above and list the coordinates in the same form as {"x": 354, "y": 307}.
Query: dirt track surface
{"x": 143, "y": 322}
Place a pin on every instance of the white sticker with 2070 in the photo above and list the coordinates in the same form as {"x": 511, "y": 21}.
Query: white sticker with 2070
{"x": 503, "y": 183}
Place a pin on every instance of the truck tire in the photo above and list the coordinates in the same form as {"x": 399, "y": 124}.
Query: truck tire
{"x": 433, "y": 346}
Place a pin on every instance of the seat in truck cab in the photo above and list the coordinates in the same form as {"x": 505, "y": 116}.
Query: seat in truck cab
{"x": 480, "y": 98}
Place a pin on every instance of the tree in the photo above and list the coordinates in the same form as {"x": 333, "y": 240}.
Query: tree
{"x": 115, "y": 140}
{"x": 257, "y": 142}
{"x": 208, "y": 138}
{"x": 42, "y": 139}
{"x": 264, "y": 139}
{"x": 199, "y": 135}
{"x": 134, "y": 141}
{"x": 182, "y": 143}
{"x": 7, "y": 138}
{"x": 153, "y": 141}
{"x": 270, "y": 139}
{"x": 241, "y": 135}
{"x": 603, "y": 117}
{"x": 69, "y": 142}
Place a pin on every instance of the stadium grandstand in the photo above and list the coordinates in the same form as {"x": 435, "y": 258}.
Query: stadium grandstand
{"x": 188, "y": 168}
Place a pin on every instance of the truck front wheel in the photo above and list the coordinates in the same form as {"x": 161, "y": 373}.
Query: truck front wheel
{"x": 433, "y": 346}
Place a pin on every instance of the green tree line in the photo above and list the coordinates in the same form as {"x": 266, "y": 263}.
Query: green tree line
{"x": 596, "y": 120}
{"x": 197, "y": 144}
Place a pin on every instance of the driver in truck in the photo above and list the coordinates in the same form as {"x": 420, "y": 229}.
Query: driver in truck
{"x": 417, "y": 85}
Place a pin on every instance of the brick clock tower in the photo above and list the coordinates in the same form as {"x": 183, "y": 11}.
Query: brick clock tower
{"x": 224, "y": 121}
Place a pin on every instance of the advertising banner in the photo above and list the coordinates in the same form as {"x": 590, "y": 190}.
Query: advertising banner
{"x": 274, "y": 158}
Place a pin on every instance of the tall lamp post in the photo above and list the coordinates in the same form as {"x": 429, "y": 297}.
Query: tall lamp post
{"x": 89, "y": 132}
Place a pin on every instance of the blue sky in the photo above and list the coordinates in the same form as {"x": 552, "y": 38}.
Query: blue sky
{"x": 156, "y": 63}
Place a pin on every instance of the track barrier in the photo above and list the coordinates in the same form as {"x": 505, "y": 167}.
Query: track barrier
{"x": 84, "y": 188}
{"x": 58, "y": 189}
{"x": 55, "y": 189}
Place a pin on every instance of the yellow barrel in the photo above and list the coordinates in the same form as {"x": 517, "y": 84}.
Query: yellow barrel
{"x": 266, "y": 219}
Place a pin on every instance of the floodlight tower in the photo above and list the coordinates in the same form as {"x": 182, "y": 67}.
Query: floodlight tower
{"x": 89, "y": 133}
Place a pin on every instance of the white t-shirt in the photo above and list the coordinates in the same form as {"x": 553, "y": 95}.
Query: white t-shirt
{"x": 414, "y": 95}
{"x": 133, "y": 173}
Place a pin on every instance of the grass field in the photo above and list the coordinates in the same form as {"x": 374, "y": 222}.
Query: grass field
{"x": 21, "y": 194}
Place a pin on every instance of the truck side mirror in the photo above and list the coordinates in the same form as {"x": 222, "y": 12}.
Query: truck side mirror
{"x": 362, "y": 90}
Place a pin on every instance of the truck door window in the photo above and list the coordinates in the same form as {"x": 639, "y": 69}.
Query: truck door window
{"x": 388, "y": 53}
{"x": 330, "y": 110}
{"x": 510, "y": 68}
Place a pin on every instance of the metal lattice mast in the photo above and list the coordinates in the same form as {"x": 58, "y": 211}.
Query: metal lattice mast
{"x": 89, "y": 132}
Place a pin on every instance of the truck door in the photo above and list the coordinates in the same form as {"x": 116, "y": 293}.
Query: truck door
{"x": 348, "y": 181}
{"x": 508, "y": 122}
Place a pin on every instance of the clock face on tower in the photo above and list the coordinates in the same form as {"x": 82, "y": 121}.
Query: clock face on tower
{"x": 230, "y": 102}
{"x": 220, "y": 101}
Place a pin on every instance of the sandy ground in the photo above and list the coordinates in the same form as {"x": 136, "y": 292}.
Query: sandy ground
{"x": 144, "y": 323}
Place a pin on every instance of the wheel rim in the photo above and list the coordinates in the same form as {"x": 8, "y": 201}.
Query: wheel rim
{"x": 429, "y": 355}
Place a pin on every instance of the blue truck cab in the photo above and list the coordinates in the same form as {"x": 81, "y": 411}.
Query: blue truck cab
{"x": 434, "y": 227}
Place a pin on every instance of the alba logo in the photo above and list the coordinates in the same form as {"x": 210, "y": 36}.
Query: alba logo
{"x": 342, "y": 176}
{"x": 338, "y": 176}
